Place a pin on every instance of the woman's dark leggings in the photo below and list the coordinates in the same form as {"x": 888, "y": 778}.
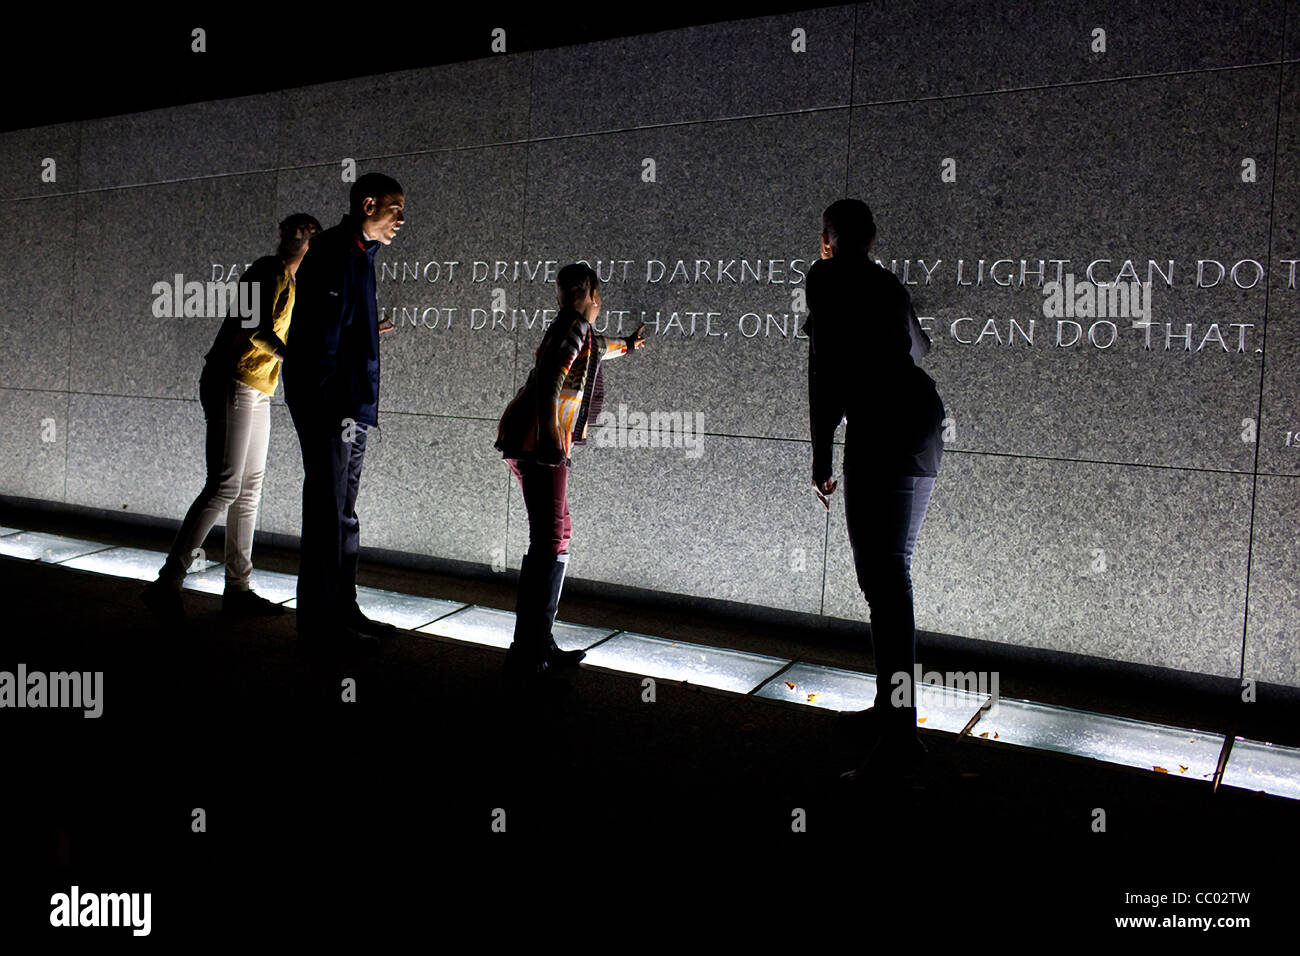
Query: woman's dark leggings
{"x": 546, "y": 500}
{"x": 884, "y": 514}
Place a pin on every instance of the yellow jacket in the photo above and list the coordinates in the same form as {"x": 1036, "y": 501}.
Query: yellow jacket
{"x": 249, "y": 354}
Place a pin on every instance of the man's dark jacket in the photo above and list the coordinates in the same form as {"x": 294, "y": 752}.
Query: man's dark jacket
{"x": 864, "y": 339}
{"x": 331, "y": 364}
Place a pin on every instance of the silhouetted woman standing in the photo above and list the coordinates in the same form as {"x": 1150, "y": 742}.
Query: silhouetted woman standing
{"x": 864, "y": 339}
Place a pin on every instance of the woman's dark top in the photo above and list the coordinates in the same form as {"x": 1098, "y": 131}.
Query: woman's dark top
{"x": 864, "y": 339}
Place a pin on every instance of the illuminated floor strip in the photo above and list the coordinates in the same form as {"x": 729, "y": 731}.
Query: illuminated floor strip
{"x": 407, "y": 611}
{"x": 37, "y": 546}
{"x": 272, "y": 585}
{"x": 134, "y": 563}
{"x": 700, "y": 664}
{"x": 1252, "y": 765}
{"x": 494, "y": 628}
{"x": 1131, "y": 743}
{"x": 1255, "y": 765}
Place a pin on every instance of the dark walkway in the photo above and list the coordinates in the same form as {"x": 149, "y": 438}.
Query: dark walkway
{"x": 318, "y": 810}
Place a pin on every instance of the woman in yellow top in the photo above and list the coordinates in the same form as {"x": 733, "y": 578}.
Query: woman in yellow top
{"x": 240, "y": 374}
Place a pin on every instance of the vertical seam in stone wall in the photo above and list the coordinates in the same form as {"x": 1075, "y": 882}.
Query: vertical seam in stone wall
{"x": 526, "y": 146}
{"x": 853, "y": 55}
{"x": 848, "y": 165}
{"x": 275, "y": 202}
{"x": 1263, "y": 357}
{"x": 72, "y": 312}
{"x": 826, "y": 542}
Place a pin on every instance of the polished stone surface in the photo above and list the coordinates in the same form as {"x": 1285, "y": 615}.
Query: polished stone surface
{"x": 34, "y": 443}
{"x": 1272, "y": 638}
{"x": 22, "y": 160}
{"x": 678, "y": 75}
{"x": 428, "y": 486}
{"x": 1057, "y": 457}
{"x": 453, "y": 105}
{"x": 731, "y": 524}
{"x": 445, "y": 356}
{"x": 135, "y": 455}
{"x": 1022, "y": 193}
{"x": 1134, "y": 564}
{"x": 125, "y": 246}
{"x": 745, "y": 192}
{"x": 1279, "y": 423}
{"x": 37, "y": 245}
{"x": 216, "y": 138}
{"x": 1010, "y": 44}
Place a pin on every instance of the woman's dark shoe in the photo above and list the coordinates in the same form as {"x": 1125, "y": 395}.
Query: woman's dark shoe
{"x": 533, "y": 650}
{"x": 242, "y": 604}
{"x": 164, "y": 601}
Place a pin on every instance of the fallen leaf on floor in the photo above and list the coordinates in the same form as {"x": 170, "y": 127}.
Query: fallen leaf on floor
{"x": 985, "y": 734}
{"x": 790, "y": 685}
{"x": 1159, "y": 769}
{"x": 1182, "y": 769}
{"x": 813, "y": 697}
{"x": 921, "y": 720}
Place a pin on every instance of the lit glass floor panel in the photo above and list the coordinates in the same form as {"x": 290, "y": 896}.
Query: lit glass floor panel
{"x": 5, "y": 531}
{"x": 1254, "y": 765}
{"x": 819, "y": 686}
{"x": 407, "y": 611}
{"x": 496, "y": 628}
{"x": 37, "y": 545}
{"x": 135, "y": 563}
{"x": 695, "y": 663}
{"x": 272, "y": 585}
{"x": 1131, "y": 743}
{"x": 948, "y": 709}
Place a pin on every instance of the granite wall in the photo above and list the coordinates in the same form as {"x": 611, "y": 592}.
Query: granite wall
{"x": 1124, "y": 487}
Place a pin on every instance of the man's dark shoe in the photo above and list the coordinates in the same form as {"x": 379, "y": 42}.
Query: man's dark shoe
{"x": 241, "y": 604}
{"x": 164, "y": 601}
{"x": 367, "y": 627}
{"x": 522, "y": 665}
{"x": 335, "y": 636}
{"x": 860, "y": 723}
{"x": 554, "y": 657}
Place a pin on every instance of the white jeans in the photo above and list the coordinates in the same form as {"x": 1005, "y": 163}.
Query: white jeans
{"x": 238, "y": 432}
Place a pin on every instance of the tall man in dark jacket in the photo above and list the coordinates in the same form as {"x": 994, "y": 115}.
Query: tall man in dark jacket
{"x": 864, "y": 340}
{"x": 331, "y": 385}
